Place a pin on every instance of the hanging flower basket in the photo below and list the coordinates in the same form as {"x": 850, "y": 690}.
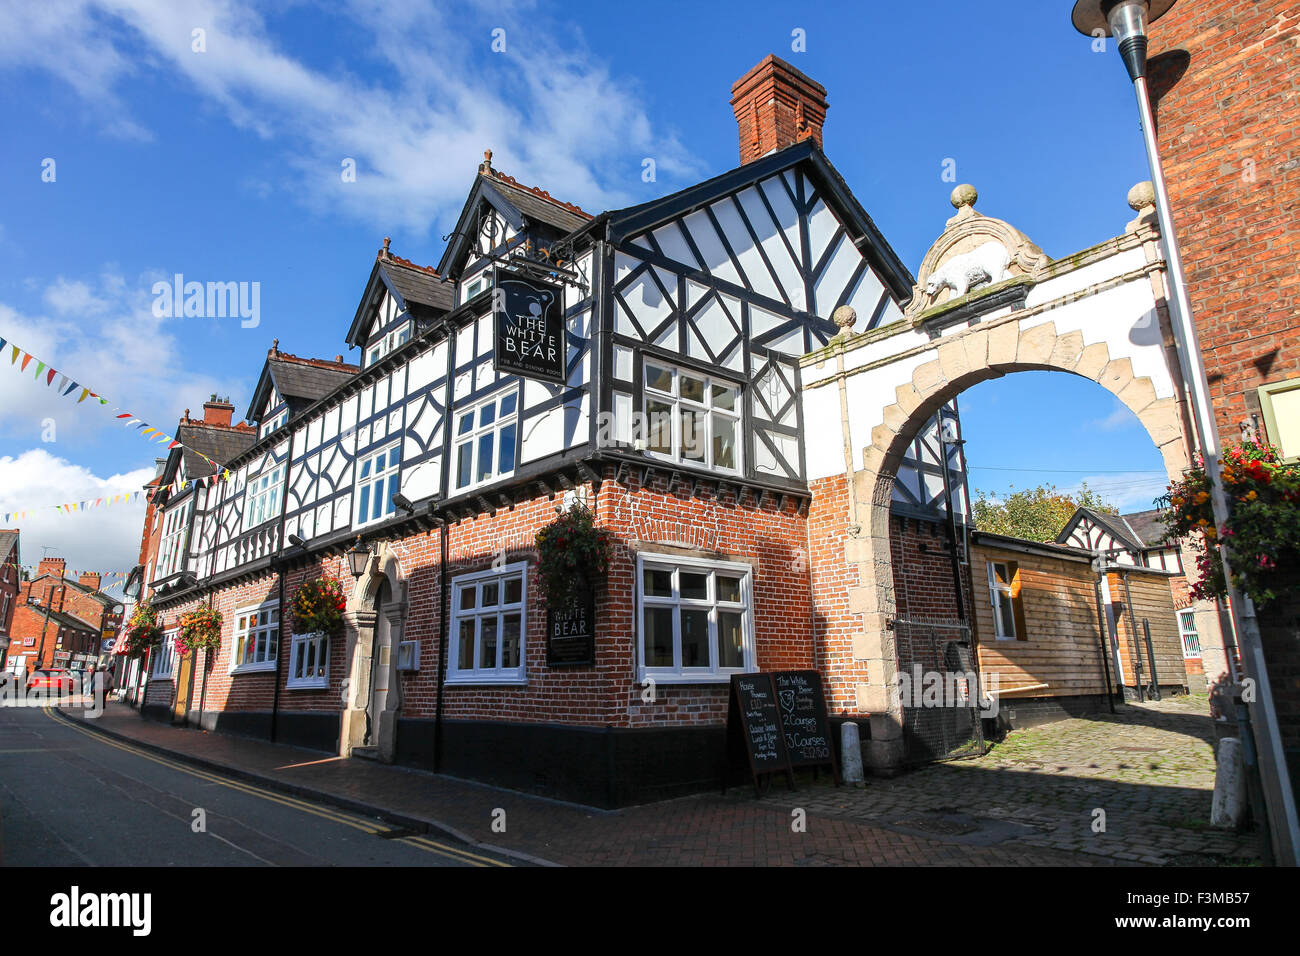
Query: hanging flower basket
{"x": 573, "y": 555}
{"x": 1263, "y": 527}
{"x": 142, "y": 630}
{"x": 200, "y": 630}
{"x": 317, "y": 606}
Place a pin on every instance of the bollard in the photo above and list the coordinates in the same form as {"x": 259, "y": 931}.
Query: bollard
{"x": 851, "y": 752}
{"x": 1229, "y": 786}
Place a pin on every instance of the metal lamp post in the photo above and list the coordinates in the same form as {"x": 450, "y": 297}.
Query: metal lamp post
{"x": 1126, "y": 21}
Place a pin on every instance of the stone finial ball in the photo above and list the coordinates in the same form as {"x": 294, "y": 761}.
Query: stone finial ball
{"x": 963, "y": 195}
{"x": 845, "y": 316}
{"x": 1141, "y": 196}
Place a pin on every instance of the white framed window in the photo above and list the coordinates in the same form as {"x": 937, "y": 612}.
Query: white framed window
{"x": 1280, "y": 403}
{"x": 488, "y": 624}
{"x": 262, "y": 497}
{"x": 176, "y": 526}
{"x": 164, "y": 657}
{"x": 695, "y": 620}
{"x": 476, "y": 285}
{"x": 274, "y": 422}
{"x": 1187, "y": 631}
{"x": 257, "y": 637}
{"x": 691, "y": 418}
{"x": 485, "y": 440}
{"x": 309, "y": 662}
{"x": 387, "y": 343}
{"x": 1004, "y": 593}
{"x": 378, "y": 475}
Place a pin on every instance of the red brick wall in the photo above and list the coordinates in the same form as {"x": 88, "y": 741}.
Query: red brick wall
{"x": 1231, "y": 149}
{"x": 924, "y": 590}
{"x": 775, "y": 541}
{"x": 832, "y": 577}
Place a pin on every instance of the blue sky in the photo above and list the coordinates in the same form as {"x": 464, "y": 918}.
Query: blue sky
{"x": 223, "y": 164}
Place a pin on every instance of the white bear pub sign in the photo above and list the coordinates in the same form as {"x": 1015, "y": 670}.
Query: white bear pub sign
{"x": 530, "y": 331}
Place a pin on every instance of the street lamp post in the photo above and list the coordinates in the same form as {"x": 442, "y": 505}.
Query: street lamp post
{"x": 1126, "y": 21}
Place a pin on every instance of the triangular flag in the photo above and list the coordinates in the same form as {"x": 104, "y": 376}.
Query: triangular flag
{"x": 49, "y": 379}
{"x": 84, "y": 393}
{"x": 26, "y": 358}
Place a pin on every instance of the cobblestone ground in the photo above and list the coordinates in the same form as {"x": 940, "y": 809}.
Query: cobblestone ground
{"x": 1149, "y": 768}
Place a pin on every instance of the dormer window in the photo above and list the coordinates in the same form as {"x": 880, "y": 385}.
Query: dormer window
{"x": 274, "y": 422}
{"x": 476, "y": 285}
{"x": 387, "y": 343}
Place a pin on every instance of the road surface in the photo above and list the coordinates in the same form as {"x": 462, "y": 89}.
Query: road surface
{"x": 70, "y": 797}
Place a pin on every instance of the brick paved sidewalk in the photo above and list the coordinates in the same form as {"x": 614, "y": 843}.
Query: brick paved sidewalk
{"x": 704, "y": 830}
{"x": 1150, "y": 768}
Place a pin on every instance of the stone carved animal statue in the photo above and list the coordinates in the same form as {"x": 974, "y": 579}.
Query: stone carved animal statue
{"x": 983, "y": 264}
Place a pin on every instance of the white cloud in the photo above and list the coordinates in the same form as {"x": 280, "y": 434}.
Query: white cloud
{"x": 133, "y": 358}
{"x": 416, "y": 127}
{"x": 1120, "y": 417}
{"x": 106, "y": 538}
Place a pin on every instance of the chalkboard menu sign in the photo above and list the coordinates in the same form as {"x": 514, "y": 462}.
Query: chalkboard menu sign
{"x": 779, "y": 721}
{"x": 803, "y": 718}
{"x": 754, "y": 725}
{"x": 530, "y": 330}
{"x": 571, "y": 632}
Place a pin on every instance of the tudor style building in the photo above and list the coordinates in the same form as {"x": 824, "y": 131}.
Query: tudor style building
{"x": 673, "y": 412}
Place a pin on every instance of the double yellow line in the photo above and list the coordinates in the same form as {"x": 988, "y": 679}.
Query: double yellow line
{"x": 347, "y": 819}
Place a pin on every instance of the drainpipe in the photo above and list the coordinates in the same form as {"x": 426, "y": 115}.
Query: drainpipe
{"x": 1101, "y": 634}
{"x": 278, "y": 563}
{"x": 1132, "y": 621}
{"x": 443, "y": 607}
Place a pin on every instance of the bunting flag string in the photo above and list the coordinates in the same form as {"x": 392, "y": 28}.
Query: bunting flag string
{"x": 67, "y": 386}
{"x": 73, "y": 507}
{"x": 106, "y": 578}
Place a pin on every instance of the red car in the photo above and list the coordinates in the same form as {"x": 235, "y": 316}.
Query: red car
{"x": 58, "y": 680}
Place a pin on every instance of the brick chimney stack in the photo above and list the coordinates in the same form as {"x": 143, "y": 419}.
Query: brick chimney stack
{"x": 776, "y": 106}
{"x": 54, "y": 566}
{"x": 89, "y": 579}
{"x": 218, "y": 411}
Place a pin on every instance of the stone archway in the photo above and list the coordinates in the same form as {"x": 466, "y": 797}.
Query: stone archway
{"x": 369, "y": 665}
{"x": 986, "y": 351}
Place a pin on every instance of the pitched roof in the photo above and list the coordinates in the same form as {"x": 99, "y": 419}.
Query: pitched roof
{"x": 870, "y": 241}
{"x": 418, "y": 285}
{"x": 219, "y": 443}
{"x": 538, "y": 203}
{"x": 515, "y": 202}
{"x": 105, "y": 599}
{"x": 294, "y": 377}
{"x": 67, "y": 620}
{"x": 1115, "y": 525}
{"x": 1147, "y": 527}
{"x": 8, "y": 541}
{"x": 419, "y": 290}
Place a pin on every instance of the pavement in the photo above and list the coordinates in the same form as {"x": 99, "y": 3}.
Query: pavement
{"x": 1033, "y": 801}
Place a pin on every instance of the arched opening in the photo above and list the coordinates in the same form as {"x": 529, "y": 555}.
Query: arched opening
{"x": 934, "y": 587}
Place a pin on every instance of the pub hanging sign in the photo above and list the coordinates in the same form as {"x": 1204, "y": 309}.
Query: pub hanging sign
{"x": 530, "y": 331}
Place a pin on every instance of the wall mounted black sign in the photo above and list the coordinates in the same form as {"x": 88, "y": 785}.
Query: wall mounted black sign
{"x": 530, "y": 330}
{"x": 571, "y": 633}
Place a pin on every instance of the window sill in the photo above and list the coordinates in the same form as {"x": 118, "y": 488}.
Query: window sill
{"x": 679, "y": 678}
{"x": 486, "y": 680}
{"x": 309, "y": 683}
{"x": 266, "y": 668}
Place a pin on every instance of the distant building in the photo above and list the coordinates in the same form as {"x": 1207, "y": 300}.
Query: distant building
{"x": 1138, "y": 539}
{"x": 61, "y": 621}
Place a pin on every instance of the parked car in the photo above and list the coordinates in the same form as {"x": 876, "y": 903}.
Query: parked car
{"x": 52, "y": 679}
